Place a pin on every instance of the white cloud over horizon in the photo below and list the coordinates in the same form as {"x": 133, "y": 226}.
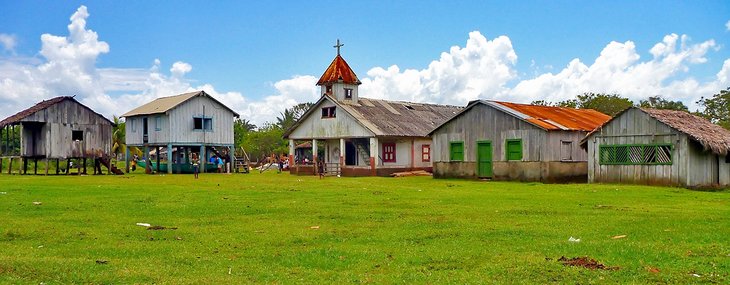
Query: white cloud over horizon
{"x": 481, "y": 69}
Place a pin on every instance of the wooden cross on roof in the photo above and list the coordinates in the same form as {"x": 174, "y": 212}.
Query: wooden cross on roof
{"x": 338, "y": 45}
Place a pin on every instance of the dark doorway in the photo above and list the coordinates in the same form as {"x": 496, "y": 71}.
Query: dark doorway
{"x": 145, "y": 129}
{"x": 350, "y": 154}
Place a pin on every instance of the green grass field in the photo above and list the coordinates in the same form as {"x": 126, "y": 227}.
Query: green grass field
{"x": 278, "y": 228}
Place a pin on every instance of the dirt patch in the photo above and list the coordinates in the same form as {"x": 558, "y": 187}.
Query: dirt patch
{"x": 585, "y": 262}
{"x": 157, "y": 228}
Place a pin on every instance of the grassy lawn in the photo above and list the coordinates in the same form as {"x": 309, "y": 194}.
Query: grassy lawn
{"x": 278, "y": 228}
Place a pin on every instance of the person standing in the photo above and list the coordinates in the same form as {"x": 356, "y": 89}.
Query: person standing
{"x": 196, "y": 165}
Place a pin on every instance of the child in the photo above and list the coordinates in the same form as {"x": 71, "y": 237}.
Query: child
{"x": 196, "y": 168}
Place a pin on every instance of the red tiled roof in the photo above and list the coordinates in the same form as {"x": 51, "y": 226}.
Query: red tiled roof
{"x": 338, "y": 70}
{"x": 558, "y": 118}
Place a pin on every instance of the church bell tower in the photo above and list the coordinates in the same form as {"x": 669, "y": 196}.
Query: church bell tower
{"x": 339, "y": 81}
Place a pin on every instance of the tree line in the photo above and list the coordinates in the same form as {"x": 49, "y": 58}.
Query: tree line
{"x": 716, "y": 108}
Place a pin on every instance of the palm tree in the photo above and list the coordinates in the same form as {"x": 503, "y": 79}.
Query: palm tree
{"x": 119, "y": 145}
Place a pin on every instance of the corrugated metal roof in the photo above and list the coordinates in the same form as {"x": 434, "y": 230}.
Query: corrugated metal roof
{"x": 164, "y": 104}
{"x": 43, "y": 105}
{"x": 399, "y": 119}
{"x": 556, "y": 118}
{"x": 339, "y": 70}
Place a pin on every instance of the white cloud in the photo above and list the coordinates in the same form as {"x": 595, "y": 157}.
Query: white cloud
{"x": 8, "y": 42}
{"x": 618, "y": 69}
{"x": 482, "y": 69}
{"x": 458, "y": 76}
{"x": 727, "y": 25}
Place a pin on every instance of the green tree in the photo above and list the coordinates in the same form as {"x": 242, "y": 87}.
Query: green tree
{"x": 119, "y": 145}
{"x": 241, "y": 128}
{"x": 717, "y": 108}
{"x": 609, "y": 104}
{"x": 657, "y": 102}
{"x": 265, "y": 141}
{"x": 291, "y": 115}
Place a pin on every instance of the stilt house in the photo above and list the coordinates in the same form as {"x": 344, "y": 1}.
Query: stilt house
{"x": 509, "y": 141}
{"x": 183, "y": 124}
{"x": 361, "y": 136}
{"x": 57, "y": 129}
{"x": 659, "y": 147}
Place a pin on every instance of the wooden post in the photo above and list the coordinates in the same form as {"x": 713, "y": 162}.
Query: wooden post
{"x": 315, "y": 159}
{"x": 68, "y": 166}
{"x": 35, "y": 166}
{"x": 57, "y": 166}
{"x": 232, "y": 159}
{"x": 10, "y": 165}
{"x": 1, "y": 162}
{"x": 126, "y": 159}
{"x": 46, "y": 161}
{"x": 84, "y": 166}
{"x": 25, "y": 165}
{"x": 202, "y": 159}
{"x": 374, "y": 156}
{"x": 169, "y": 158}
{"x": 157, "y": 154}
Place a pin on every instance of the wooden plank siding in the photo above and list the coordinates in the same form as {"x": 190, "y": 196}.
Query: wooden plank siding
{"x": 541, "y": 149}
{"x": 177, "y": 125}
{"x": 48, "y": 132}
{"x": 691, "y": 164}
{"x": 343, "y": 125}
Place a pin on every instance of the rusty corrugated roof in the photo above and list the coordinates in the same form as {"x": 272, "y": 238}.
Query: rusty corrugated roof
{"x": 164, "y": 104}
{"x": 556, "y": 118}
{"x": 399, "y": 118}
{"x": 43, "y": 105}
{"x": 339, "y": 70}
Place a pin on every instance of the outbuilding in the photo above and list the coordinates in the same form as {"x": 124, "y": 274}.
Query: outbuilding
{"x": 57, "y": 129}
{"x": 510, "y": 141}
{"x": 659, "y": 147}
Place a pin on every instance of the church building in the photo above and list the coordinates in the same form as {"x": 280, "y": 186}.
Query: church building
{"x": 357, "y": 136}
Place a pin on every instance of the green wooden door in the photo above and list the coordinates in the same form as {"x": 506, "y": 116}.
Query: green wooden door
{"x": 484, "y": 159}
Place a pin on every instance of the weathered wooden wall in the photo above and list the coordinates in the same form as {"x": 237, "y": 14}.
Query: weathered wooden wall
{"x": 343, "y": 125}
{"x": 691, "y": 165}
{"x": 484, "y": 123}
{"x": 53, "y": 128}
{"x": 177, "y": 125}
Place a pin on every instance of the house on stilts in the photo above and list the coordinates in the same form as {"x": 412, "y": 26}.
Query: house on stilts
{"x": 659, "y": 147}
{"x": 57, "y": 129}
{"x": 177, "y": 127}
{"x": 510, "y": 141}
{"x": 356, "y": 136}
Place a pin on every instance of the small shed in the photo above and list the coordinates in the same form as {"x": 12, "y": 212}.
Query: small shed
{"x": 510, "y": 141}
{"x": 659, "y": 147}
{"x": 58, "y": 128}
{"x": 184, "y": 124}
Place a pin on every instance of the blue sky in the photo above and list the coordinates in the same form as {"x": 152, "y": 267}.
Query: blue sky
{"x": 261, "y": 56}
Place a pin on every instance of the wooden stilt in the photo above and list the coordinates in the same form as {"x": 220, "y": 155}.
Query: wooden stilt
{"x": 57, "y": 165}
{"x": 68, "y": 166}
{"x": 25, "y": 165}
{"x": 1, "y": 164}
{"x": 84, "y": 165}
{"x": 46, "y": 161}
{"x": 157, "y": 154}
{"x": 35, "y": 166}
